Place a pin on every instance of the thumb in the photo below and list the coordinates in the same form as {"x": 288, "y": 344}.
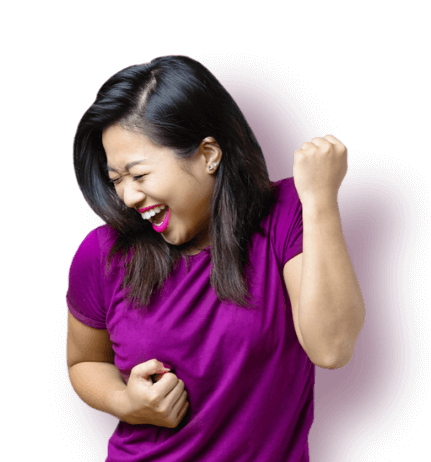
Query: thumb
{"x": 148, "y": 368}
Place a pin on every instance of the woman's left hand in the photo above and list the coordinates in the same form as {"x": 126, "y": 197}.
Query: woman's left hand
{"x": 318, "y": 170}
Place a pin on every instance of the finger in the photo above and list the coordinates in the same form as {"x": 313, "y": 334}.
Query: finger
{"x": 332, "y": 139}
{"x": 307, "y": 147}
{"x": 157, "y": 377}
{"x": 323, "y": 142}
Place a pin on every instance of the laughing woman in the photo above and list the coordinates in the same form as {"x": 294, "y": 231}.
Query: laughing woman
{"x": 198, "y": 312}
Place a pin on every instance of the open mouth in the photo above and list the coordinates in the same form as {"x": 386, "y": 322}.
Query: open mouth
{"x": 148, "y": 215}
{"x": 158, "y": 218}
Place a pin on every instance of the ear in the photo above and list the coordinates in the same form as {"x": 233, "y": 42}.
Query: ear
{"x": 210, "y": 149}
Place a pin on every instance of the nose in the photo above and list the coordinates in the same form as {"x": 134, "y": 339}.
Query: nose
{"x": 132, "y": 196}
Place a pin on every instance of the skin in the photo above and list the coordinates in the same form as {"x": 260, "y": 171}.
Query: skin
{"x": 185, "y": 186}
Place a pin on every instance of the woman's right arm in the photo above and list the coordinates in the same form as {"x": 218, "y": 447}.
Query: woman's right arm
{"x": 98, "y": 382}
{"x": 92, "y": 373}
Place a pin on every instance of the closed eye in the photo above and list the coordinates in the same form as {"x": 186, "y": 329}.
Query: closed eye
{"x": 117, "y": 180}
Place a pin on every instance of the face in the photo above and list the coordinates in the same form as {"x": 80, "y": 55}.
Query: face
{"x": 145, "y": 174}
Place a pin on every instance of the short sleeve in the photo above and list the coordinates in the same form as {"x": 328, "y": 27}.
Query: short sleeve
{"x": 288, "y": 230}
{"x": 84, "y": 296}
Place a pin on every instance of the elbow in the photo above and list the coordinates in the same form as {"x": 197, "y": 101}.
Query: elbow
{"x": 335, "y": 363}
{"x": 339, "y": 359}
{"x": 342, "y": 351}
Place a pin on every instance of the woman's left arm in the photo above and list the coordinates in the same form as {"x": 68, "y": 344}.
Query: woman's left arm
{"x": 331, "y": 307}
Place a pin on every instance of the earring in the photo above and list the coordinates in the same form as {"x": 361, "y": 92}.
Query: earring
{"x": 210, "y": 167}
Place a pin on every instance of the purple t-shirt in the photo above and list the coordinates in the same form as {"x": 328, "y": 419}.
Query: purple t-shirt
{"x": 249, "y": 382}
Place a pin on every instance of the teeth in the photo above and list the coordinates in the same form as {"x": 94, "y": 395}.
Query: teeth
{"x": 152, "y": 212}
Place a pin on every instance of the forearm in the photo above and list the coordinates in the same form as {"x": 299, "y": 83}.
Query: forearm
{"x": 99, "y": 385}
{"x": 331, "y": 307}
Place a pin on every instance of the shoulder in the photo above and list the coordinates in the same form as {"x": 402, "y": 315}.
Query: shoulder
{"x": 101, "y": 237}
{"x": 285, "y": 190}
{"x": 284, "y": 221}
{"x": 286, "y": 204}
{"x": 106, "y": 237}
{"x": 87, "y": 282}
{"x": 283, "y": 194}
{"x": 95, "y": 246}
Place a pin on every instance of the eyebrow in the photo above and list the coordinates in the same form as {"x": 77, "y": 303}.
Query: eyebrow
{"x": 128, "y": 166}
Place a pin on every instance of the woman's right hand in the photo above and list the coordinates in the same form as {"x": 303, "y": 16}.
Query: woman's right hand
{"x": 163, "y": 403}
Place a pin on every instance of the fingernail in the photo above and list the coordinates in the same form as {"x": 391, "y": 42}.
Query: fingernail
{"x": 167, "y": 366}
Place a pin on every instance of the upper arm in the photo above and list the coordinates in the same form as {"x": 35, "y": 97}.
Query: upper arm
{"x": 292, "y": 278}
{"x": 87, "y": 344}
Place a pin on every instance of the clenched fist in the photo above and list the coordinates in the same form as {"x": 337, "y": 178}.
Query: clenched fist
{"x": 318, "y": 170}
{"x": 162, "y": 403}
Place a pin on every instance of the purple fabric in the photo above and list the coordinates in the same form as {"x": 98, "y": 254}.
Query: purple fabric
{"x": 250, "y": 384}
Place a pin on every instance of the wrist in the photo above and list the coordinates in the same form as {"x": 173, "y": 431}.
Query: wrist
{"x": 119, "y": 404}
{"x": 319, "y": 207}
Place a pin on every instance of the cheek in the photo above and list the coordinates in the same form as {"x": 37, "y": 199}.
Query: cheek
{"x": 119, "y": 191}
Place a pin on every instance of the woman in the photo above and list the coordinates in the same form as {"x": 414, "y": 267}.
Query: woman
{"x": 199, "y": 268}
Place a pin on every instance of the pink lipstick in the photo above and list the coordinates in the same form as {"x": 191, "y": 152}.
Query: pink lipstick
{"x": 149, "y": 208}
{"x": 164, "y": 223}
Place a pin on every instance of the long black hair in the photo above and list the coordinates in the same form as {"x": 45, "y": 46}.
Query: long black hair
{"x": 176, "y": 102}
